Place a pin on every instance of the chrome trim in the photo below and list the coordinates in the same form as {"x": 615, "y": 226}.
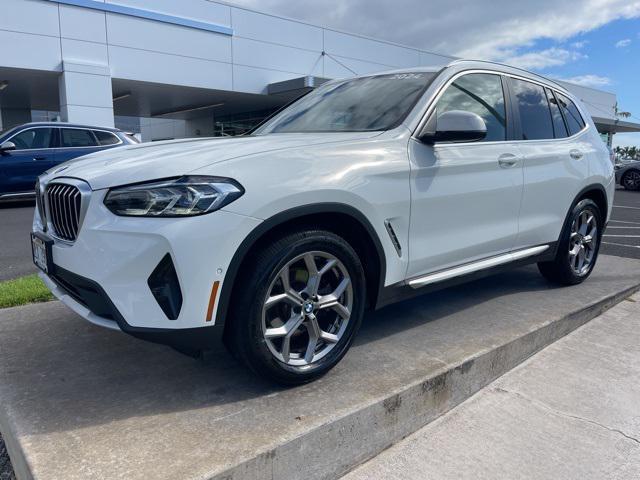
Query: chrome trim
{"x": 475, "y": 266}
{"x": 60, "y": 127}
{"x": 21, "y": 194}
{"x": 63, "y": 211}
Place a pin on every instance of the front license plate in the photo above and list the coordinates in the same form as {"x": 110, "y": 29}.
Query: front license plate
{"x": 41, "y": 250}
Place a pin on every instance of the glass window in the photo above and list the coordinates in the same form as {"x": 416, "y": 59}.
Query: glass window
{"x": 362, "y": 104}
{"x": 106, "y": 138}
{"x": 535, "y": 115}
{"x": 75, "y": 137}
{"x": 559, "y": 128}
{"x": 574, "y": 120}
{"x": 33, "y": 138}
{"x": 480, "y": 93}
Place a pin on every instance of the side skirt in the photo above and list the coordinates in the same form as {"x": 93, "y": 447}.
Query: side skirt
{"x": 462, "y": 274}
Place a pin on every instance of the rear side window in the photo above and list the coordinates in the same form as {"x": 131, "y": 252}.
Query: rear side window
{"x": 75, "y": 137}
{"x": 34, "y": 138}
{"x": 575, "y": 122}
{"x": 535, "y": 115}
{"x": 106, "y": 138}
{"x": 559, "y": 128}
{"x": 482, "y": 94}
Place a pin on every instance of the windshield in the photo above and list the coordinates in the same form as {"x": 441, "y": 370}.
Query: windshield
{"x": 379, "y": 102}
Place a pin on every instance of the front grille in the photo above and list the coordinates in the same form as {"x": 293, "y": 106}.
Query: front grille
{"x": 64, "y": 210}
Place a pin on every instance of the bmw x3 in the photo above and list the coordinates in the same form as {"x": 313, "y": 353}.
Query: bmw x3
{"x": 362, "y": 193}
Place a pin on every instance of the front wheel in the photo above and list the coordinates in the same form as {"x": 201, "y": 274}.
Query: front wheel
{"x": 578, "y": 246}
{"x": 299, "y": 308}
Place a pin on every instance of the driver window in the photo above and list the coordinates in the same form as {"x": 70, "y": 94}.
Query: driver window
{"x": 34, "y": 138}
{"x": 482, "y": 94}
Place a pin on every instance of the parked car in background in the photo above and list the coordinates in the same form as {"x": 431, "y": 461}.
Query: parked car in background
{"x": 362, "y": 193}
{"x": 628, "y": 175}
{"x": 29, "y": 150}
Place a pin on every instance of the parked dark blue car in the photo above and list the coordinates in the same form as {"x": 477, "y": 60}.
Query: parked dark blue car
{"x": 29, "y": 150}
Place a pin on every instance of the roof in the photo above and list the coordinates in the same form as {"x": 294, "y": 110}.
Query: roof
{"x": 615, "y": 126}
{"x": 66, "y": 124}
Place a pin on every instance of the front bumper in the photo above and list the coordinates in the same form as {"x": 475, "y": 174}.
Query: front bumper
{"x": 113, "y": 257}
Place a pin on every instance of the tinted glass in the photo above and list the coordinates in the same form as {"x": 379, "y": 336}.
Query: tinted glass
{"x": 106, "y": 138}
{"x": 74, "y": 137}
{"x": 574, "y": 120}
{"x": 480, "y": 93}
{"x": 361, "y": 104}
{"x": 559, "y": 128}
{"x": 535, "y": 115}
{"x": 34, "y": 138}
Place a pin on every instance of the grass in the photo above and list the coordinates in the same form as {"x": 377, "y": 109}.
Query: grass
{"x": 23, "y": 290}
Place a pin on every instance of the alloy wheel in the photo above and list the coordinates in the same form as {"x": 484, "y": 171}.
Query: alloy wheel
{"x": 632, "y": 180}
{"x": 307, "y": 308}
{"x": 583, "y": 242}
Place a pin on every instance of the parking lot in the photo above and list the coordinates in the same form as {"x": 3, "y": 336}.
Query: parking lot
{"x": 622, "y": 237}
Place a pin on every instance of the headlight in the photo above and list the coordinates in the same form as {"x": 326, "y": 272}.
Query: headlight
{"x": 181, "y": 197}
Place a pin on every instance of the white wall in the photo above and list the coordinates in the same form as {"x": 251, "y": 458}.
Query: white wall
{"x": 263, "y": 49}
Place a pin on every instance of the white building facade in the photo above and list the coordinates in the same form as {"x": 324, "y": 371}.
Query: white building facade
{"x": 172, "y": 69}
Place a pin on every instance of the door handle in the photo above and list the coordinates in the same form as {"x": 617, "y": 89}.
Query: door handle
{"x": 508, "y": 160}
{"x": 576, "y": 154}
{"x": 35, "y": 159}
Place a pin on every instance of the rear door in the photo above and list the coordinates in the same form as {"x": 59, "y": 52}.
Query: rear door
{"x": 555, "y": 162}
{"x": 75, "y": 142}
{"x": 34, "y": 154}
{"x": 465, "y": 197}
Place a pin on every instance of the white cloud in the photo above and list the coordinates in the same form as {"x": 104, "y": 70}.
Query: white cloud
{"x": 623, "y": 43}
{"x": 588, "y": 80}
{"x": 551, "y": 57}
{"x": 466, "y": 28}
{"x": 580, "y": 44}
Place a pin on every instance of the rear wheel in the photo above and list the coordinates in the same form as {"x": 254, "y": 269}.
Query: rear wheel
{"x": 299, "y": 308}
{"x": 578, "y": 246}
{"x": 631, "y": 180}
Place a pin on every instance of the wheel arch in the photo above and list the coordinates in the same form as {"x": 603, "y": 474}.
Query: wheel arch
{"x": 339, "y": 218}
{"x": 598, "y": 194}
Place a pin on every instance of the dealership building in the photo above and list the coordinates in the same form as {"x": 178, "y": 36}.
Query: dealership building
{"x": 172, "y": 69}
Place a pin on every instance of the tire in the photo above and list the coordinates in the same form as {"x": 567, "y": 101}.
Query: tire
{"x": 631, "y": 180}
{"x": 578, "y": 239}
{"x": 318, "y": 328}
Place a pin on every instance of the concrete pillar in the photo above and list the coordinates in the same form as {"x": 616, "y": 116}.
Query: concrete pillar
{"x": 86, "y": 95}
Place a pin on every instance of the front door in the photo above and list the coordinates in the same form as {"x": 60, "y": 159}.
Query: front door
{"x": 465, "y": 196}
{"x": 34, "y": 154}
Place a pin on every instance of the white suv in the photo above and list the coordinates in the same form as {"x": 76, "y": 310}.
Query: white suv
{"x": 364, "y": 192}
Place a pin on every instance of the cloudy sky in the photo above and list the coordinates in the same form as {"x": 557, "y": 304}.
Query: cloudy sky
{"x": 592, "y": 42}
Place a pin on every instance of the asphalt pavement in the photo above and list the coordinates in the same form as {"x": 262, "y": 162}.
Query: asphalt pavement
{"x": 15, "y": 249}
{"x": 622, "y": 237}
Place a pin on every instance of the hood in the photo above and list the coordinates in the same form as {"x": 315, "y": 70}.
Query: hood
{"x": 151, "y": 161}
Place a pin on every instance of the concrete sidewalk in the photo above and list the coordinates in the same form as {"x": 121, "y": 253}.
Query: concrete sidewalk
{"x": 80, "y": 402}
{"x": 572, "y": 412}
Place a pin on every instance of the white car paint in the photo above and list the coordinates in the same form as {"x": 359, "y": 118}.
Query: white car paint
{"x": 449, "y": 204}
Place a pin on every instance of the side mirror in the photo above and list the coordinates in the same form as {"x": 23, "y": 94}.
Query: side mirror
{"x": 7, "y": 147}
{"x": 454, "y": 126}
